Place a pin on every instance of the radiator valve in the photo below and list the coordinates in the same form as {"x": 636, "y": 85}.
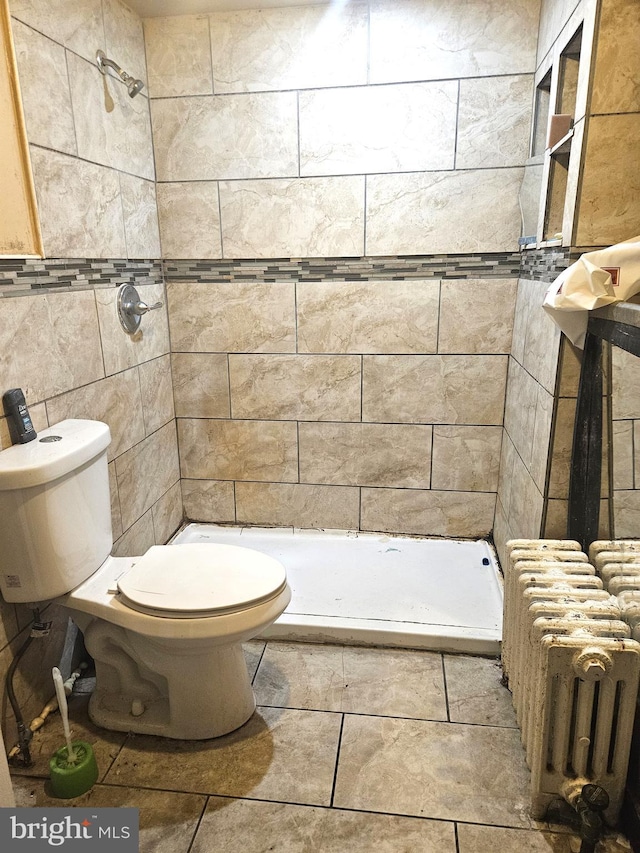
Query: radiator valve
{"x": 582, "y": 808}
{"x": 592, "y": 664}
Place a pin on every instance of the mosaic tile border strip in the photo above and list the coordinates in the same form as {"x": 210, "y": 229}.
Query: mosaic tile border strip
{"x": 24, "y": 276}
{"x": 20, "y": 277}
{"x": 547, "y": 264}
{"x": 481, "y": 265}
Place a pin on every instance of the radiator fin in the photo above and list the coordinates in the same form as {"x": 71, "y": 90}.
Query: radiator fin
{"x": 572, "y": 660}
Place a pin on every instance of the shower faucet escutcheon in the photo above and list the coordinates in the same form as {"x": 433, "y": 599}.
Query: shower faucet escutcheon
{"x": 131, "y": 308}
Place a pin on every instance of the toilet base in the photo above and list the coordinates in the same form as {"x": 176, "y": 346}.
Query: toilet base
{"x": 155, "y": 720}
{"x": 186, "y": 691}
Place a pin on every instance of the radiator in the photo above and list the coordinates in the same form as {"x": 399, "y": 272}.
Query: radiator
{"x": 571, "y": 658}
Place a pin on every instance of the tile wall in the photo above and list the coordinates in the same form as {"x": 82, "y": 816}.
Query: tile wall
{"x": 534, "y": 475}
{"x": 316, "y": 131}
{"x": 365, "y": 404}
{"x": 542, "y": 386}
{"x": 625, "y": 379}
{"x": 542, "y": 375}
{"x": 93, "y": 166}
{"x": 344, "y": 398}
{"x": 610, "y": 193}
{"x": 60, "y": 338}
{"x": 611, "y": 208}
{"x": 352, "y": 388}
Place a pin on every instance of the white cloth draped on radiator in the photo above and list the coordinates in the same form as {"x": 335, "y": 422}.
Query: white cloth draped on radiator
{"x": 597, "y": 279}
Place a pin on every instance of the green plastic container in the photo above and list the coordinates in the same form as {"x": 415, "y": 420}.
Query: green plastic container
{"x": 72, "y": 780}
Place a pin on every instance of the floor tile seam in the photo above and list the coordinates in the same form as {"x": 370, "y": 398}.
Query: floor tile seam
{"x": 548, "y": 829}
{"x": 151, "y": 789}
{"x": 198, "y": 824}
{"x": 459, "y": 821}
{"x": 208, "y": 796}
{"x": 262, "y": 654}
{"x": 446, "y": 690}
{"x": 126, "y": 738}
{"x": 331, "y": 808}
{"x": 337, "y": 764}
{"x": 355, "y": 714}
{"x": 387, "y": 716}
{"x": 284, "y": 802}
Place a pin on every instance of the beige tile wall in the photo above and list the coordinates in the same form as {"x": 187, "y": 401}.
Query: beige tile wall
{"x": 625, "y": 401}
{"x": 95, "y": 184}
{"x": 354, "y": 131}
{"x": 71, "y": 379}
{"x": 544, "y": 370}
{"x": 342, "y": 404}
{"x": 610, "y": 197}
{"x": 542, "y": 387}
{"x": 74, "y": 361}
{"x": 526, "y": 445}
{"x": 331, "y": 131}
{"x": 93, "y": 167}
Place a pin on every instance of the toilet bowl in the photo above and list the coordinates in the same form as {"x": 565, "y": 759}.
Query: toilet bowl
{"x": 165, "y": 629}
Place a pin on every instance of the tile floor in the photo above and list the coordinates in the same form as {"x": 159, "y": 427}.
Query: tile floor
{"x": 351, "y": 749}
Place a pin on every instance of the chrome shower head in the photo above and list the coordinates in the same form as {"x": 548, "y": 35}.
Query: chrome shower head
{"x": 134, "y": 86}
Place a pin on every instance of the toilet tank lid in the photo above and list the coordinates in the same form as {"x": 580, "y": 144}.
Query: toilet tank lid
{"x": 56, "y": 451}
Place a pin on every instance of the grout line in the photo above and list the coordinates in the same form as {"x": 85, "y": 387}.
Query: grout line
{"x": 316, "y": 806}
{"x": 332, "y": 88}
{"x": 115, "y": 757}
{"x": 210, "y": 40}
{"x": 455, "y": 836}
{"x": 220, "y": 221}
{"x": 295, "y": 314}
{"x": 335, "y": 774}
{"x": 364, "y": 218}
{"x": 455, "y": 134}
{"x": 262, "y": 653}
{"x": 198, "y": 823}
{"x": 361, "y": 386}
{"x": 344, "y": 174}
{"x": 298, "y": 130}
{"x": 389, "y": 716}
{"x": 446, "y": 693}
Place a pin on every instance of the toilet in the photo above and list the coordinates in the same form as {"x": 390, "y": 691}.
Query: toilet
{"x": 165, "y": 629}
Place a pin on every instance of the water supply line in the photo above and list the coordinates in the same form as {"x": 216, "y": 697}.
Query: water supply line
{"x": 49, "y": 708}
{"x": 22, "y": 756}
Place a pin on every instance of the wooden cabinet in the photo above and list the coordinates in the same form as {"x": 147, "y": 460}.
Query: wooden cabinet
{"x": 19, "y": 228}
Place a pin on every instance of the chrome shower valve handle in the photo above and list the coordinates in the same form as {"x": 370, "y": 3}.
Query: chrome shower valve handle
{"x": 131, "y": 308}
{"x": 141, "y": 308}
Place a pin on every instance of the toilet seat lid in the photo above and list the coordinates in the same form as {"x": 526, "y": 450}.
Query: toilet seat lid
{"x": 198, "y": 580}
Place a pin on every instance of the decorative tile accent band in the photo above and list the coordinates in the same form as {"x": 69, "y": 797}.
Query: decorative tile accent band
{"x": 20, "y": 277}
{"x": 481, "y": 265}
{"x": 24, "y": 276}
{"x": 547, "y": 264}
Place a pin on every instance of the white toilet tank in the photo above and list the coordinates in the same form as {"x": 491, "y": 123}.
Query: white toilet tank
{"x": 55, "y": 512}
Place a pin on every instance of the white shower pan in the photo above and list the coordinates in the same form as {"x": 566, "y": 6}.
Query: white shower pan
{"x": 375, "y": 589}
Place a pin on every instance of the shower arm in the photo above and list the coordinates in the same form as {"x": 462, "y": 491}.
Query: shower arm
{"x": 132, "y": 84}
{"x": 103, "y": 61}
